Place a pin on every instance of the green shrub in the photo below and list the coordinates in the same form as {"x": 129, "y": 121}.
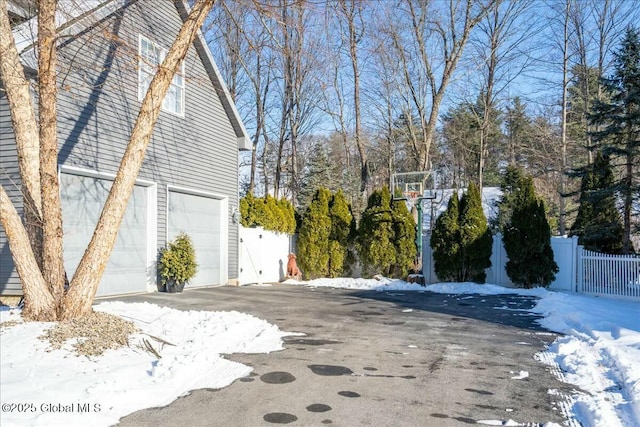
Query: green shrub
{"x": 445, "y": 242}
{"x": 461, "y": 239}
{"x": 376, "y": 236}
{"x": 475, "y": 237}
{"x": 404, "y": 239}
{"x": 340, "y": 244}
{"x": 178, "y": 261}
{"x": 527, "y": 239}
{"x": 598, "y": 224}
{"x": 267, "y": 212}
{"x": 313, "y": 236}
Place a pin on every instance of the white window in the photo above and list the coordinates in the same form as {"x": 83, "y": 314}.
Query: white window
{"x": 150, "y": 57}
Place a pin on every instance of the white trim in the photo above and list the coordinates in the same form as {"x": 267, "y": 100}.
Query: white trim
{"x": 152, "y": 216}
{"x": 224, "y": 224}
{"x": 182, "y": 72}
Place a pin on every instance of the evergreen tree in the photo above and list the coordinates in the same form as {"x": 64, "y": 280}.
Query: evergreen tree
{"x": 527, "y": 240}
{"x": 475, "y": 237}
{"x": 339, "y": 244}
{"x": 316, "y": 173}
{"x": 598, "y": 225}
{"x": 519, "y": 131}
{"x": 375, "y": 235}
{"x": 445, "y": 242}
{"x": 512, "y": 182}
{"x": 618, "y": 120}
{"x": 313, "y": 237}
{"x": 404, "y": 241}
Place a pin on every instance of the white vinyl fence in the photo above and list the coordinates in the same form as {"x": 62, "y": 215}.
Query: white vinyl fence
{"x": 602, "y": 274}
{"x": 263, "y": 255}
{"x": 579, "y": 270}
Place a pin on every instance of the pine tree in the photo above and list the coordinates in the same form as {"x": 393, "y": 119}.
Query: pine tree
{"x": 598, "y": 225}
{"x": 313, "y": 238}
{"x": 445, "y": 242}
{"x": 527, "y": 240}
{"x": 316, "y": 173}
{"x": 619, "y": 122}
{"x": 475, "y": 237}
{"x": 339, "y": 244}
{"x": 375, "y": 235}
{"x": 404, "y": 241}
{"x": 512, "y": 181}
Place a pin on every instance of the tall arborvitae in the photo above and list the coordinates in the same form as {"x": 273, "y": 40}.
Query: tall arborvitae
{"x": 445, "y": 242}
{"x": 339, "y": 244}
{"x": 618, "y": 122}
{"x": 527, "y": 240}
{"x": 475, "y": 237}
{"x": 375, "y": 234}
{"x": 598, "y": 225}
{"x": 404, "y": 240}
{"x": 512, "y": 180}
{"x": 313, "y": 237}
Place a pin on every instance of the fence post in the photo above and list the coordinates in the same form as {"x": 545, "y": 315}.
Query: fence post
{"x": 580, "y": 264}
{"x": 574, "y": 263}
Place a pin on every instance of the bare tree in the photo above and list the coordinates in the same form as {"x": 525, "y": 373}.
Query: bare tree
{"x": 433, "y": 26}
{"x": 498, "y": 49}
{"x": 351, "y": 11}
{"x": 43, "y": 300}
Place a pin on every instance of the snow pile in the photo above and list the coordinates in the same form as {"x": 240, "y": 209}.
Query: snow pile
{"x": 43, "y": 387}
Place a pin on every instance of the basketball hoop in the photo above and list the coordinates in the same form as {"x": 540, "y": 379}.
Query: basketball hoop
{"x": 412, "y": 196}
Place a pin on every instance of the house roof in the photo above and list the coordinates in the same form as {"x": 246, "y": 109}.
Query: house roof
{"x": 73, "y": 16}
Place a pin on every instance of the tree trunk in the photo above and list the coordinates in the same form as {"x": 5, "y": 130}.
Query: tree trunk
{"x": 565, "y": 83}
{"x": 25, "y": 127}
{"x": 52, "y": 261}
{"x": 38, "y": 301}
{"x": 82, "y": 289}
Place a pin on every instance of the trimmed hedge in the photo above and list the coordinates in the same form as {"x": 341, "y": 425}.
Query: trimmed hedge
{"x": 267, "y": 212}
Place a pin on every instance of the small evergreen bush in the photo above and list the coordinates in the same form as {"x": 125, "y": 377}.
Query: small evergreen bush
{"x": 178, "y": 261}
{"x": 404, "y": 239}
{"x": 376, "y": 235}
{"x": 527, "y": 239}
{"x": 313, "y": 236}
{"x": 340, "y": 244}
{"x": 461, "y": 239}
{"x": 475, "y": 237}
{"x": 445, "y": 242}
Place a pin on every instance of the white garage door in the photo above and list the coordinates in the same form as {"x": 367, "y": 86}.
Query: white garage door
{"x": 199, "y": 217}
{"x": 82, "y": 201}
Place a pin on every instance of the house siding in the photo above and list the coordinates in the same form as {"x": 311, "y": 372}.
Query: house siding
{"x": 98, "y": 105}
{"x": 11, "y": 182}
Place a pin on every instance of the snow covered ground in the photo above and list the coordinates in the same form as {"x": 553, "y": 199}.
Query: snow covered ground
{"x": 600, "y": 354}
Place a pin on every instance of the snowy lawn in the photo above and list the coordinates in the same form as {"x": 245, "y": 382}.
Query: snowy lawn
{"x": 55, "y": 388}
{"x": 600, "y": 354}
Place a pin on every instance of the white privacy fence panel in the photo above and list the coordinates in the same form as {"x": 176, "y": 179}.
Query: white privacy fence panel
{"x": 263, "y": 255}
{"x": 603, "y": 274}
{"x": 564, "y": 251}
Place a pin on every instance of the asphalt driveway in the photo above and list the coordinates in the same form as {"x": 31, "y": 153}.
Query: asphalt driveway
{"x": 375, "y": 359}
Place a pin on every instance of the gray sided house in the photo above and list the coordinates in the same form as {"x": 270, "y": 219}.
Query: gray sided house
{"x": 108, "y": 51}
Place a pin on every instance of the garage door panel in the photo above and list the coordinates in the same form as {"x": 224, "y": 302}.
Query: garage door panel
{"x": 82, "y": 201}
{"x": 199, "y": 217}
